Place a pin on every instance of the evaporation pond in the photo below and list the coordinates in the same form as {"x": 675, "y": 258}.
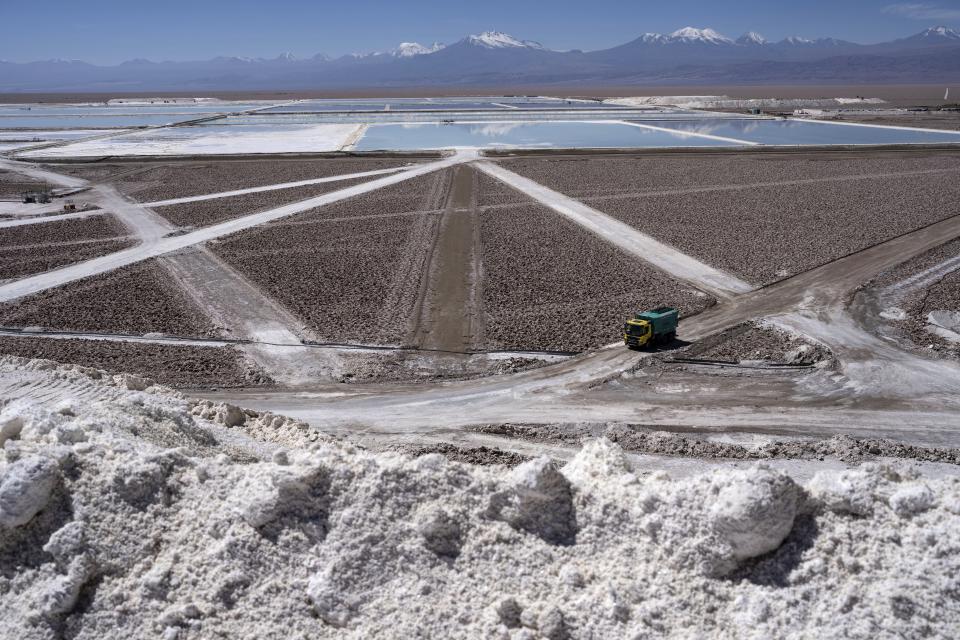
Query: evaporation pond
{"x": 799, "y": 132}
{"x": 563, "y": 135}
{"x": 86, "y": 122}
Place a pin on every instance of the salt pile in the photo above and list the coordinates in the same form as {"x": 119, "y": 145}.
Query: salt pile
{"x": 108, "y": 532}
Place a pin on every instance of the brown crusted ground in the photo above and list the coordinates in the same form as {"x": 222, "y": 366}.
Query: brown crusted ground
{"x": 650, "y": 440}
{"x": 762, "y": 233}
{"x": 943, "y": 295}
{"x": 207, "y": 212}
{"x": 407, "y": 197}
{"x": 484, "y": 456}
{"x": 751, "y": 341}
{"x": 13, "y": 185}
{"x": 16, "y": 262}
{"x": 180, "y": 179}
{"x": 136, "y": 300}
{"x": 171, "y": 365}
{"x": 919, "y": 263}
{"x": 348, "y": 280}
{"x": 95, "y": 227}
{"x": 36, "y": 248}
{"x": 549, "y": 285}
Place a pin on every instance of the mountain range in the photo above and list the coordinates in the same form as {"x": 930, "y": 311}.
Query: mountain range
{"x": 686, "y": 56}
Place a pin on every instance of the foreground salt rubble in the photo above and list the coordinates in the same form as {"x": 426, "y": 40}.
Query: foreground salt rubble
{"x": 105, "y": 532}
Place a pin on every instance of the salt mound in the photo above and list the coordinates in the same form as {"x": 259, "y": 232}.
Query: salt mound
{"x": 753, "y": 511}
{"x": 107, "y": 532}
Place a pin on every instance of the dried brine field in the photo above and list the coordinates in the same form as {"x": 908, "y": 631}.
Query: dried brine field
{"x": 183, "y": 179}
{"x": 206, "y": 212}
{"x": 167, "y": 364}
{"x": 35, "y": 248}
{"x": 354, "y": 280}
{"x": 770, "y": 220}
{"x": 134, "y": 300}
{"x": 549, "y": 285}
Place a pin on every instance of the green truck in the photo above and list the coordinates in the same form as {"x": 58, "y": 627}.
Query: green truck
{"x": 650, "y": 328}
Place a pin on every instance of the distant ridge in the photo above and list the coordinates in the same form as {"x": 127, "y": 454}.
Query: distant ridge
{"x": 690, "y": 55}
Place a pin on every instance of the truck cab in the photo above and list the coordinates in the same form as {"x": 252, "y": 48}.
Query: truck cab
{"x": 650, "y": 328}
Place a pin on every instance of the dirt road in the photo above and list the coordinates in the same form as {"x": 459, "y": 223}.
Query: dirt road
{"x": 877, "y": 389}
{"x": 449, "y": 312}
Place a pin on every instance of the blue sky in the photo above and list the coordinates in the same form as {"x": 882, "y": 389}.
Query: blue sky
{"x": 110, "y": 31}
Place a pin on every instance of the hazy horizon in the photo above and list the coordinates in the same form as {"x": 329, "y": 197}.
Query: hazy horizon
{"x": 107, "y": 32}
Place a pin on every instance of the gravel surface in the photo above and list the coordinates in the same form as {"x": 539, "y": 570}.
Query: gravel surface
{"x": 348, "y": 280}
{"x": 917, "y": 264}
{"x": 408, "y": 197}
{"x": 753, "y": 341}
{"x": 549, "y": 285}
{"x": 593, "y": 176}
{"x": 943, "y": 295}
{"x": 93, "y": 171}
{"x": 22, "y": 261}
{"x": 763, "y": 234}
{"x": 207, "y": 212}
{"x": 172, "y": 365}
{"x": 482, "y": 456}
{"x": 177, "y": 180}
{"x": 651, "y": 440}
{"x": 13, "y": 185}
{"x": 137, "y": 300}
{"x": 416, "y": 366}
{"x": 947, "y": 120}
{"x": 97, "y": 227}
{"x": 37, "y": 248}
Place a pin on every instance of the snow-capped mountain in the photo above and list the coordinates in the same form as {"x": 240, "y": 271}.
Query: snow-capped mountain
{"x": 700, "y": 36}
{"x": 500, "y": 40}
{"x": 936, "y": 35}
{"x": 686, "y": 56}
{"x": 410, "y": 49}
{"x": 751, "y": 38}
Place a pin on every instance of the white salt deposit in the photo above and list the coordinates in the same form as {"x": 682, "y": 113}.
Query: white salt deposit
{"x": 212, "y": 140}
{"x": 148, "y": 517}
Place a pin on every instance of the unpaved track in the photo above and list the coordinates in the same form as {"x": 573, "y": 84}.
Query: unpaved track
{"x": 146, "y": 250}
{"x": 448, "y": 311}
{"x": 41, "y": 174}
{"x": 247, "y": 313}
{"x": 868, "y": 397}
{"x": 41, "y": 219}
{"x": 925, "y": 413}
{"x": 666, "y": 258}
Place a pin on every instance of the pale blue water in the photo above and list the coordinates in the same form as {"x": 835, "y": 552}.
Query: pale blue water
{"x": 379, "y": 105}
{"x": 798, "y": 132}
{"x": 526, "y": 135}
